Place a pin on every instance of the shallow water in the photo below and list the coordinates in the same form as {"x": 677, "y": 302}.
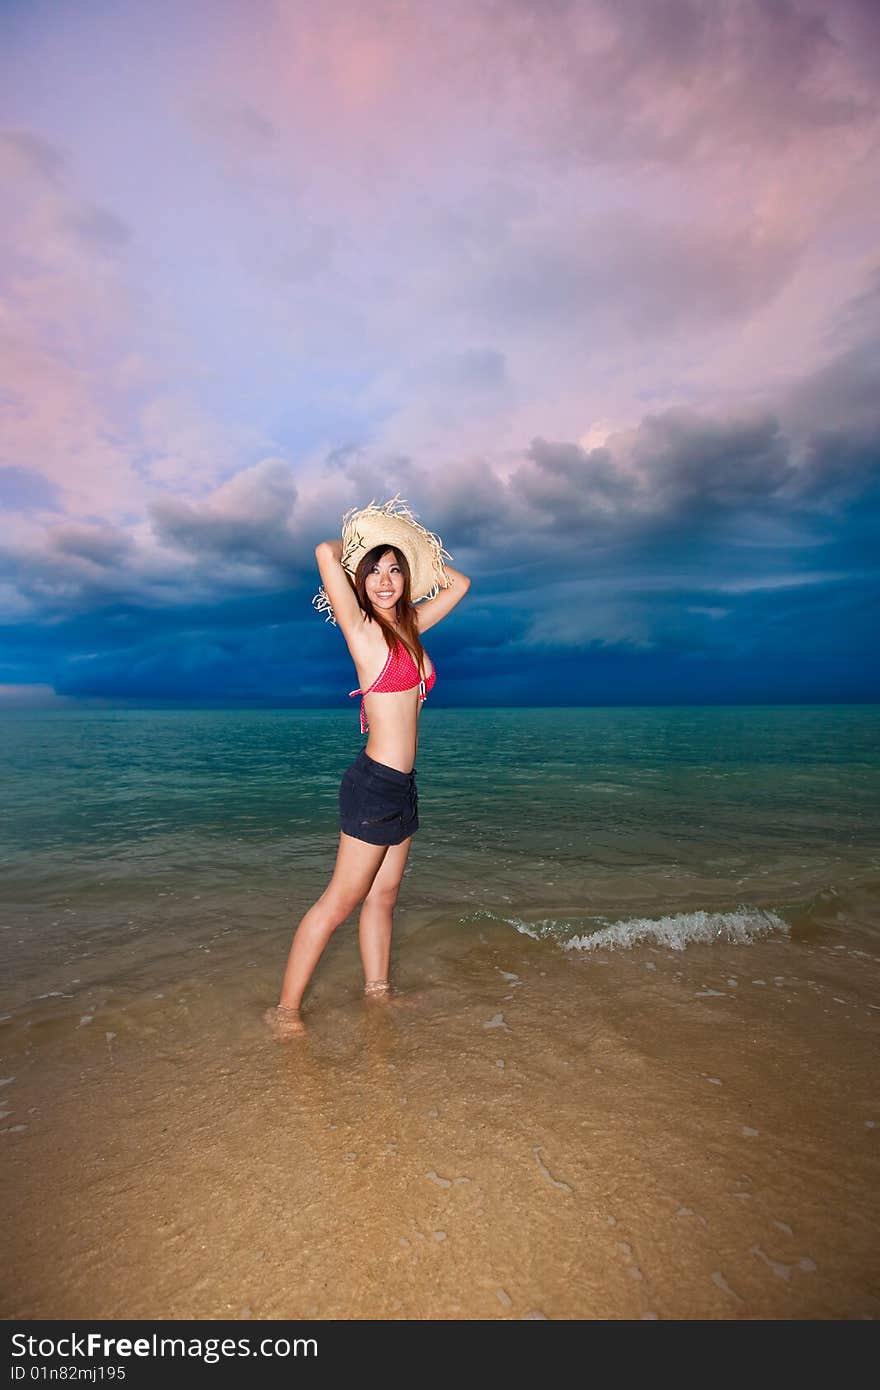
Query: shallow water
{"x": 628, "y": 1072}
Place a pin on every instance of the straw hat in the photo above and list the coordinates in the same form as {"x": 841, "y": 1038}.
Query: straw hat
{"x": 391, "y": 524}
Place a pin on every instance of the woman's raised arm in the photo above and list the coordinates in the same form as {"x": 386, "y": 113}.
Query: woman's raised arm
{"x": 337, "y": 586}
{"x": 431, "y": 610}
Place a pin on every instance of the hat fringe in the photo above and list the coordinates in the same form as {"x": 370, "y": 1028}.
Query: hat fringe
{"x": 322, "y": 604}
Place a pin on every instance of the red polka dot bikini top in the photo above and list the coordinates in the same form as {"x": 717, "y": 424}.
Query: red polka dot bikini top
{"x": 399, "y": 673}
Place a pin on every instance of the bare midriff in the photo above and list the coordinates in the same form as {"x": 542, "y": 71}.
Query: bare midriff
{"x": 393, "y": 715}
{"x": 393, "y": 738}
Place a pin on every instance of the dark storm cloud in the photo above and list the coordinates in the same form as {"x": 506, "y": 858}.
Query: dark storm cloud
{"x": 720, "y": 543}
{"x": 840, "y": 473}
{"x": 244, "y": 536}
{"x": 570, "y": 488}
{"x": 247, "y": 520}
{"x": 835, "y": 413}
{"x": 78, "y": 569}
{"x": 844, "y": 396}
{"x": 679, "y": 473}
{"x": 128, "y": 649}
{"x": 682, "y": 485}
{"x": 697, "y": 464}
{"x": 103, "y": 546}
{"x": 230, "y": 539}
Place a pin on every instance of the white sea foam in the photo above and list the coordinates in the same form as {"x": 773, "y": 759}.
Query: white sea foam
{"x": 740, "y": 927}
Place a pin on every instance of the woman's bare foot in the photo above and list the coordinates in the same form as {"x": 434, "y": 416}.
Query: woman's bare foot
{"x": 380, "y": 990}
{"x": 284, "y": 1022}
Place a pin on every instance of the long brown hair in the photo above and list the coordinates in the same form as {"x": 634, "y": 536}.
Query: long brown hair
{"x": 406, "y": 613}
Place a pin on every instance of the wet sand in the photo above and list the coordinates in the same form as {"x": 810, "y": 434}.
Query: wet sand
{"x": 520, "y": 1132}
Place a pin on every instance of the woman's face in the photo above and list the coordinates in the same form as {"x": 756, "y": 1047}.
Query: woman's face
{"x": 384, "y": 583}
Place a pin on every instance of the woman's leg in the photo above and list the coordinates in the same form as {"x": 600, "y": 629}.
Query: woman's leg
{"x": 356, "y": 866}
{"x": 374, "y": 932}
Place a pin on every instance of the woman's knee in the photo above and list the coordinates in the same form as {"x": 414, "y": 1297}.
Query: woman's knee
{"x": 383, "y": 896}
{"x": 336, "y": 905}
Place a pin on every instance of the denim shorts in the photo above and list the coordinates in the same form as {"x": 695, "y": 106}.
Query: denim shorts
{"x": 378, "y": 803}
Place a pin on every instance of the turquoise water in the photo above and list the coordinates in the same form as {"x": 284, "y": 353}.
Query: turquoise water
{"x": 627, "y": 1066}
{"x": 143, "y": 833}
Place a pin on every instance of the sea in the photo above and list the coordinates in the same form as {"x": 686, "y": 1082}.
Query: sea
{"x": 627, "y": 1070}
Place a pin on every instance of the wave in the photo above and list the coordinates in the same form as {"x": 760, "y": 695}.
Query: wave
{"x": 739, "y": 927}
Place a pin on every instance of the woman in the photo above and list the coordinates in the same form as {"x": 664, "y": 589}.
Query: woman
{"x": 395, "y": 563}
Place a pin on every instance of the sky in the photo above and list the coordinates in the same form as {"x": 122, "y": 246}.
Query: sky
{"x": 593, "y": 285}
